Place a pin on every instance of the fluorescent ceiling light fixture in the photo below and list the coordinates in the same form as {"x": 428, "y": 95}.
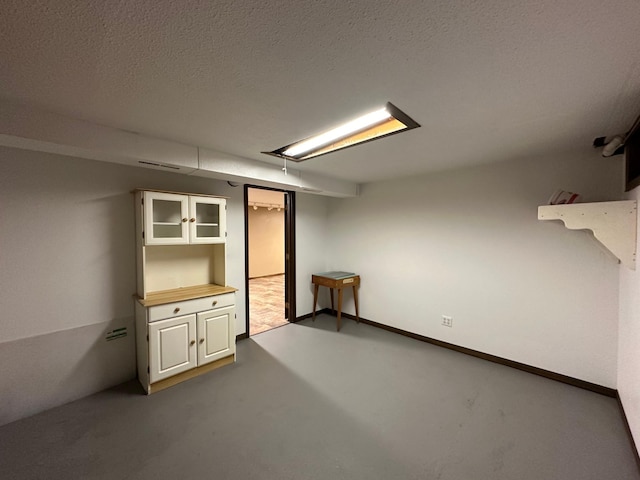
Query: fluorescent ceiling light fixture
{"x": 377, "y": 124}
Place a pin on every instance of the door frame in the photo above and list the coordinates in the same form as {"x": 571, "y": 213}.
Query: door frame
{"x": 289, "y": 253}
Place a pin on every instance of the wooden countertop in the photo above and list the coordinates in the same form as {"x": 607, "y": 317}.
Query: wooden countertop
{"x": 185, "y": 293}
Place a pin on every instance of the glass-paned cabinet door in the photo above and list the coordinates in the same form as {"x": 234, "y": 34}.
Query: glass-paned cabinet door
{"x": 207, "y": 221}
{"x": 166, "y": 218}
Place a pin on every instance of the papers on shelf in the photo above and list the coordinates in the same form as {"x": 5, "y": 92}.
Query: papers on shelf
{"x": 560, "y": 197}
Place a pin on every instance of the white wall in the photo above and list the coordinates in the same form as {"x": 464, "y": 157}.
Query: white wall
{"x": 629, "y": 343}
{"x": 67, "y": 273}
{"x": 467, "y": 243}
{"x": 311, "y": 244}
{"x": 266, "y": 242}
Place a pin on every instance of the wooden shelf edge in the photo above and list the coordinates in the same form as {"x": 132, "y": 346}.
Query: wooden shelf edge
{"x": 185, "y": 293}
{"x": 614, "y": 224}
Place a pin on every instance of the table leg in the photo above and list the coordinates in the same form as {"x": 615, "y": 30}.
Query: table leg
{"x": 339, "y": 309}
{"x": 355, "y": 300}
{"x": 315, "y": 301}
{"x": 333, "y": 309}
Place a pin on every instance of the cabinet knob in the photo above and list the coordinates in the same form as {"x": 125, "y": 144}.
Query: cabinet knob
{"x": 202, "y": 340}
{"x": 176, "y": 310}
{"x": 184, "y": 219}
{"x": 192, "y": 220}
{"x": 193, "y": 342}
{"x": 215, "y": 302}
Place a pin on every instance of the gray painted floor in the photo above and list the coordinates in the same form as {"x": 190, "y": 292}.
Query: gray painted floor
{"x": 306, "y": 402}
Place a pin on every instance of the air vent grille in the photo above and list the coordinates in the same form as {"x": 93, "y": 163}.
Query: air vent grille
{"x": 171, "y": 167}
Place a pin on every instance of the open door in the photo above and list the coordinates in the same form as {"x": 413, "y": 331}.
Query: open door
{"x": 289, "y": 257}
{"x": 270, "y": 259}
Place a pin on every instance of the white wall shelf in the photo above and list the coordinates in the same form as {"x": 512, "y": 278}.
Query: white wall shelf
{"x": 612, "y": 223}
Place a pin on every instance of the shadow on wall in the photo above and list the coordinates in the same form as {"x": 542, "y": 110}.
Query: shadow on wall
{"x": 78, "y": 361}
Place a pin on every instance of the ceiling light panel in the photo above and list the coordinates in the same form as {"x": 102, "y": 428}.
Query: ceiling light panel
{"x": 377, "y": 124}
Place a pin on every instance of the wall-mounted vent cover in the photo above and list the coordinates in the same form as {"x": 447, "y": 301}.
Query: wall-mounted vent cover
{"x": 158, "y": 165}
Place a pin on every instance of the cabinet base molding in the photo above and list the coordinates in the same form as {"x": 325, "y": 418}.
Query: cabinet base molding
{"x": 194, "y": 372}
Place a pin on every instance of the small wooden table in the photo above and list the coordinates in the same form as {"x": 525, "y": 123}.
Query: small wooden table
{"x": 337, "y": 280}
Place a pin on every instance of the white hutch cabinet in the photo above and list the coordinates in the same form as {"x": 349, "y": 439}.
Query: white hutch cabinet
{"x": 185, "y": 311}
{"x": 175, "y": 219}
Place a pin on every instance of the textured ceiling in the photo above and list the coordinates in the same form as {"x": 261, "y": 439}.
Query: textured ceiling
{"x": 487, "y": 80}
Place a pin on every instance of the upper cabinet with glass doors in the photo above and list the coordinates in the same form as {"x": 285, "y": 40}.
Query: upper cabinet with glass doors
{"x": 174, "y": 219}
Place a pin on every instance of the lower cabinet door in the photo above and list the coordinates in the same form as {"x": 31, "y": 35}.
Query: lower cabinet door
{"x": 216, "y": 334}
{"x": 172, "y": 347}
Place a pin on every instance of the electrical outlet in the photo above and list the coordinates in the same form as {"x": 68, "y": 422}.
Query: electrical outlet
{"x": 447, "y": 321}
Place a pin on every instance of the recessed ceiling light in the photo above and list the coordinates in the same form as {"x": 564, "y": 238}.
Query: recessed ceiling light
{"x": 377, "y": 124}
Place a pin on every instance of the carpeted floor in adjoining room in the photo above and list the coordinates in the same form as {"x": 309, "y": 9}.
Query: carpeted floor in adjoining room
{"x": 306, "y": 402}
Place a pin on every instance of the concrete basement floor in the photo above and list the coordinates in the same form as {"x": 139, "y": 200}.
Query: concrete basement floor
{"x": 306, "y": 402}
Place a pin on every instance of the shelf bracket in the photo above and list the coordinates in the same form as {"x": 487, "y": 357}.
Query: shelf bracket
{"x": 612, "y": 223}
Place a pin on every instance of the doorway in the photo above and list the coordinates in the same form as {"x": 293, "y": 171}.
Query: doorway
{"x": 270, "y": 263}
